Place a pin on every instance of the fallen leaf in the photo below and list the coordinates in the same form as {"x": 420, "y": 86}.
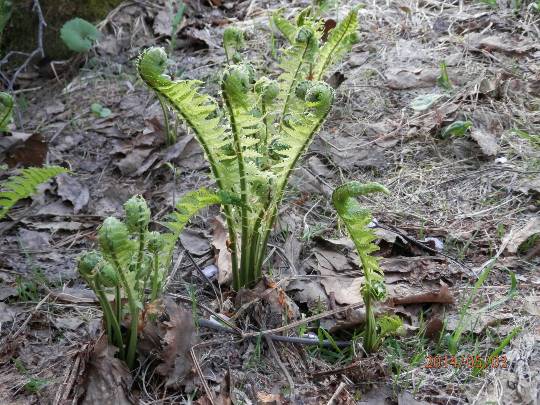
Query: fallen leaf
{"x": 33, "y": 240}
{"x": 69, "y": 323}
{"x": 31, "y": 152}
{"x": 195, "y": 242}
{"x": 487, "y": 142}
{"x": 441, "y": 296}
{"x": 411, "y": 78}
{"x": 519, "y": 234}
{"x": 8, "y": 314}
{"x": 107, "y": 378}
{"x": 72, "y": 190}
{"x": 222, "y": 256}
{"x": 423, "y": 102}
{"x": 179, "y": 337}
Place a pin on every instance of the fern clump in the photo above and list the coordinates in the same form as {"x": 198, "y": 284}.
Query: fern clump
{"x": 132, "y": 263}
{"x": 356, "y": 220}
{"x": 254, "y": 138}
{"x": 24, "y": 185}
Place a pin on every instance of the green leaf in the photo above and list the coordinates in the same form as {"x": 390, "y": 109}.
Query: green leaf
{"x": 443, "y": 81}
{"x": 104, "y": 113}
{"x": 79, "y": 35}
{"x": 457, "y": 128}
{"x": 96, "y": 108}
{"x": 6, "y": 8}
{"x": 423, "y": 102}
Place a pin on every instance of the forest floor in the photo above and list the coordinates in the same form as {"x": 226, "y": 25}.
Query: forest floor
{"x": 460, "y": 206}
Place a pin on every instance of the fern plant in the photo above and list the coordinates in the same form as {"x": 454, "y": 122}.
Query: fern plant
{"x": 133, "y": 262}
{"x": 254, "y": 139}
{"x": 356, "y": 220}
{"x": 24, "y": 185}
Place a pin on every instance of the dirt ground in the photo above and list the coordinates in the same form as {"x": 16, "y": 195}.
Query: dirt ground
{"x": 458, "y": 205}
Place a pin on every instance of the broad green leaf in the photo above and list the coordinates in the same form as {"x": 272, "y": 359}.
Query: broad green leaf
{"x": 79, "y": 35}
{"x": 457, "y": 128}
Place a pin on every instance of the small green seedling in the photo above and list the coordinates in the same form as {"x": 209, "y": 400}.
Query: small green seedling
{"x": 99, "y": 110}
{"x": 443, "y": 80}
{"x": 456, "y": 129}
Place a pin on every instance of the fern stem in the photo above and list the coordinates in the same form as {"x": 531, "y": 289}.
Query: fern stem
{"x": 114, "y": 332}
{"x": 274, "y": 203}
{"x": 245, "y": 273}
{"x": 133, "y": 311}
{"x": 155, "y": 288}
{"x": 169, "y": 136}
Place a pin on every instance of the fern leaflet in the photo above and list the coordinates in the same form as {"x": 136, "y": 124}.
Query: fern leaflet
{"x": 24, "y": 185}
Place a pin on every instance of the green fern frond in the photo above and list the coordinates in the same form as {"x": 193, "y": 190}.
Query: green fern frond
{"x": 340, "y": 41}
{"x": 188, "y": 205}
{"x": 24, "y": 185}
{"x": 357, "y": 219}
{"x": 199, "y": 111}
{"x": 6, "y": 109}
{"x": 284, "y": 26}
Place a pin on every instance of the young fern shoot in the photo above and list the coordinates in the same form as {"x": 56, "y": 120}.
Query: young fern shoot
{"x": 356, "y": 220}
{"x": 264, "y": 125}
{"x": 133, "y": 262}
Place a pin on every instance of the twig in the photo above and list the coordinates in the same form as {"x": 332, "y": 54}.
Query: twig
{"x": 38, "y": 51}
{"x": 207, "y": 390}
{"x": 208, "y": 281}
{"x": 339, "y": 389}
{"x": 40, "y": 303}
{"x": 275, "y": 354}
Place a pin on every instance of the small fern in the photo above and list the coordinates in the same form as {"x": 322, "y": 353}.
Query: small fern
{"x": 254, "y": 141}
{"x": 6, "y": 109}
{"x": 24, "y": 185}
{"x": 356, "y": 220}
{"x": 133, "y": 262}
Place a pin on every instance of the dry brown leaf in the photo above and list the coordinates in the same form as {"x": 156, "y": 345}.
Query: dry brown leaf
{"x": 107, "y": 378}
{"x": 222, "y": 257}
{"x": 487, "y": 141}
{"x": 31, "y": 152}
{"x": 179, "y": 337}
{"x": 70, "y": 189}
{"x": 519, "y": 234}
{"x": 441, "y": 296}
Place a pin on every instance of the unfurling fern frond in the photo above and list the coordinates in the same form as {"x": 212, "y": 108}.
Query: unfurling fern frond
{"x": 24, "y": 185}
{"x": 339, "y": 42}
{"x": 357, "y": 219}
{"x": 287, "y": 29}
{"x": 188, "y": 205}
{"x": 6, "y": 109}
{"x": 199, "y": 111}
